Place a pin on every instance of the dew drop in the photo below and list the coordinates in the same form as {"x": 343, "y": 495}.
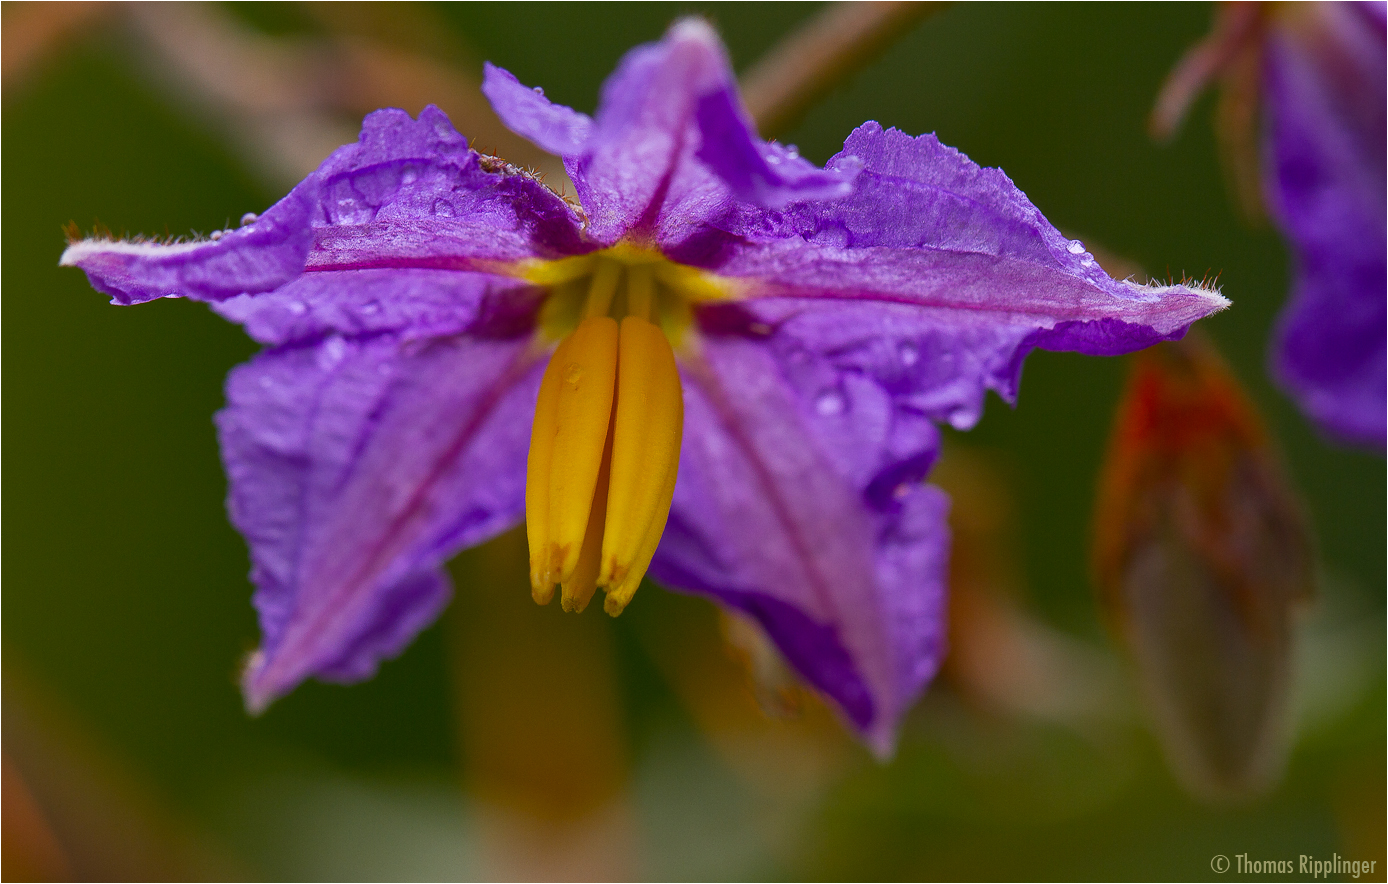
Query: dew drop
{"x": 248, "y": 218}
{"x": 298, "y": 308}
{"x": 834, "y": 236}
{"x": 908, "y": 353}
{"x": 442, "y": 208}
{"x": 215, "y": 235}
{"x": 1075, "y": 247}
{"x": 829, "y": 404}
{"x": 573, "y": 373}
{"x": 334, "y": 349}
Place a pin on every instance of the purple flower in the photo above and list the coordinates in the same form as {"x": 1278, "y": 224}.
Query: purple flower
{"x": 1324, "y": 71}
{"x": 1321, "y": 70}
{"x": 781, "y": 338}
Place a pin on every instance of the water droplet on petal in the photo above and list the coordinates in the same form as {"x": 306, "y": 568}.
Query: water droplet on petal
{"x": 298, "y": 308}
{"x": 248, "y": 218}
{"x": 334, "y": 349}
{"x": 215, "y": 235}
{"x": 834, "y": 236}
{"x": 1075, "y": 247}
{"x": 829, "y": 404}
{"x": 442, "y": 208}
{"x": 573, "y": 373}
{"x": 908, "y": 353}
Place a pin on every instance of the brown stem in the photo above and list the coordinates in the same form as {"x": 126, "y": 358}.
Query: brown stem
{"x": 1235, "y": 25}
{"x": 810, "y": 62}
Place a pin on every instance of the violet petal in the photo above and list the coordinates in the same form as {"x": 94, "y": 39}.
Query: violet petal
{"x": 944, "y": 257}
{"x": 409, "y": 193}
{"x": 258, "y": 257}
{"x": 553, "y": 127}
{"x": 356, "y": 467}
{"x": 1325, "y": 182}
{"x": 773, "y": 515}
{"x": 413, "y": 303}
{"x": 671, "y": 144}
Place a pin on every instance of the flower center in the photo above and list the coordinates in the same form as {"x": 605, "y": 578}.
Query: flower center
{"x": 605, "y": 445}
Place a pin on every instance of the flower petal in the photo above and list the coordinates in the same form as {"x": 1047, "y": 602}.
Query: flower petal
{"x": 260, "y": 256}
{"x": 409, "y": 193}
{"x": 939, "y": 363}
{"x": 1326, "y": 185}
{"x": 846, "y": 580}
{"x": 927, "y": 227}
{"x": 356, "y": 467}
{"x": 553, "y": 127}
{"x": 671, "y": 144}
{"x": 413, "y": 303}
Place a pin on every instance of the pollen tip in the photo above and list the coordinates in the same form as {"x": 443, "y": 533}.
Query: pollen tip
{"x": 619, "y": 596}
{"x": 614, "y": 605}
{"x": 542, "y": 593}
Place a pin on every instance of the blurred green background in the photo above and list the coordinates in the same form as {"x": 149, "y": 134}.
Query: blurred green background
{"x": 510, "y": 740}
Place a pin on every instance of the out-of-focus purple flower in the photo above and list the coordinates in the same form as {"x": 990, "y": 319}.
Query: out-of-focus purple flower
{"x": 411, "y": 290}
{"x": 1323, "y": 83}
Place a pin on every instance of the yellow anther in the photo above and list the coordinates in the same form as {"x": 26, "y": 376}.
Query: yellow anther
{"x": 646, "y": 432}
{"x": 543, "y": 431}
{"x": 579, "y": 588}
{"x": 568, "y": 448}
{"x": 605, "y": 446}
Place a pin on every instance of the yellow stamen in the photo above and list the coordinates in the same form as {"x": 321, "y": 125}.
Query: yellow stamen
{"x": 579, "y": 588}
{"x": 604, "y": 448}
{"x": 542, "y": 435}
{"x": 576, "y": 391}
{"x": 646, "y": 432}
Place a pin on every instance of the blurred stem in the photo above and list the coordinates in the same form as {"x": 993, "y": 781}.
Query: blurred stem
{"x": 540, "y": 721}
{"x": 34, "y": 31}
{"x": 807, "y": 65}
